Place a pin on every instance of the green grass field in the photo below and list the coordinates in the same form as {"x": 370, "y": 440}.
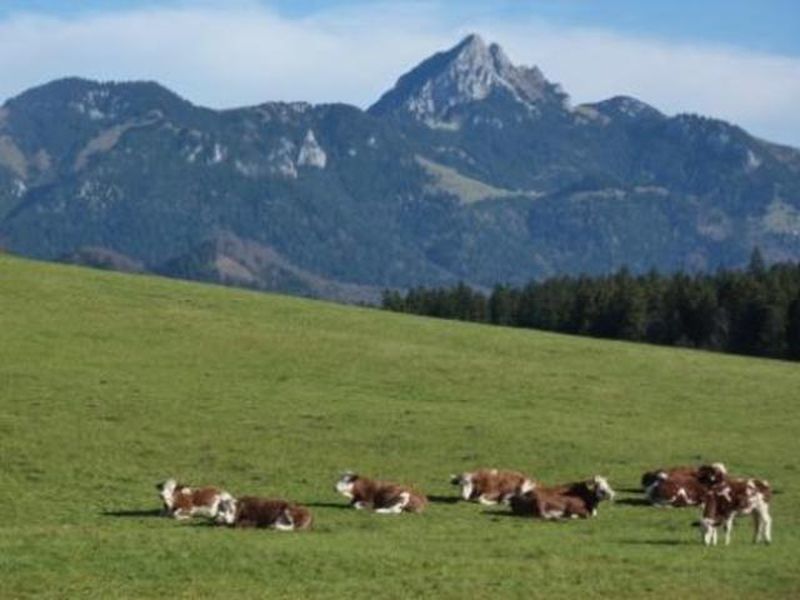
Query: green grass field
{"x": 110, "y": 383}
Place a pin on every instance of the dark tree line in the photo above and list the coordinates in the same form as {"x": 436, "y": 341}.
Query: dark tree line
{"x": 755, "y": 311}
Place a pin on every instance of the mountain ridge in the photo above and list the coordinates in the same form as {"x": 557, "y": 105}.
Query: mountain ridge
{"x": 470, "y": 168}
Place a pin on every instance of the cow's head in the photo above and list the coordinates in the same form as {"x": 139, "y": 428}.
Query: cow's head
{"x": 457, "y": 479}
{"x": 711, "y": 474}
{"x": 464, "y": 481}
{"x": 345, "y": 484}
{"x": 166, "y": 491}
{"x": 602, "y": 489}
{"x": 226, "y": 510}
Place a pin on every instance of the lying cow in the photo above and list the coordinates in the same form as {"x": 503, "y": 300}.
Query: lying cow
{"x": 249, "y": 511}
{"x": 380, "y": 496}
{"x": 182, "y": 502}
{"x": 491, "y": 486}
{"x": 731, "y": 498}
{"x": 572, "y": 500}
{"x": 683, "y": 486}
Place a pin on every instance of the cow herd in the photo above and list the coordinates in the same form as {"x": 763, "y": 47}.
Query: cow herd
{"x": 720, "y": 497}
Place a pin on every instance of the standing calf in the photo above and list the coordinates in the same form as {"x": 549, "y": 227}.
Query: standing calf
{"x": 731, "y": 498}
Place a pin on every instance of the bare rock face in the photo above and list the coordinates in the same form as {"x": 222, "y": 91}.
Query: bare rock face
{"x": 311, "y": 153}
{"x": 469, "y": 72}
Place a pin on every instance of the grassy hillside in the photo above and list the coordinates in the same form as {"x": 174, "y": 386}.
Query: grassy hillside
{"x": 109, "y": 383}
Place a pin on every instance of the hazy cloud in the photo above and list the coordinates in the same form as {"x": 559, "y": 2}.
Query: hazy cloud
{"x": 247, "y": 54}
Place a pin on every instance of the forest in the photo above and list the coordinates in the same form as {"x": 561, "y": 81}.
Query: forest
{"x": 753, "y": 311}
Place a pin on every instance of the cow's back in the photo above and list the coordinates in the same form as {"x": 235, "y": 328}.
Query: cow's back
{"x": 259, "y": 512}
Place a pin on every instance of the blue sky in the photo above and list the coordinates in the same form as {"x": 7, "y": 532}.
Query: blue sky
{"x": 765, "y": 25}
{"x": 734, "y": 59}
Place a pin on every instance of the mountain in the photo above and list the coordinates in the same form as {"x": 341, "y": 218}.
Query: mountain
{"x": 471, "y": 168}
{"x": 450, "y": 84}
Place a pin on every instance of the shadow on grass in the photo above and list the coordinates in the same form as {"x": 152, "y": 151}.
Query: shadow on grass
{"x": 633, "y": 502}
{"x": 207, "y": 523}
{"x": 504, "y": 514}
{"x": 495, "y": 516}
{"x": 630, "y": 490}
{"x": 657, "y": 542}
{"x": 152, "y": 512}
{"x": 327, "y": 505}
{"x": 444, "y": 499}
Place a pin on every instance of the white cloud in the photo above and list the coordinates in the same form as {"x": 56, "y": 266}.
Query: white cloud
{"x": 246, "y": 54}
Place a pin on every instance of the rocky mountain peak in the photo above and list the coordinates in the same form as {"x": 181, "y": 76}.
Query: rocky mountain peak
{"x": 469, "y": 72}
{"x": 627, "y": 108}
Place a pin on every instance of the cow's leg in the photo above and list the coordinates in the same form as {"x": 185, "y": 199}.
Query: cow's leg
{"x": 728, "y": 525}
{"x": 483, "y": 499}
{"x": 394, "y": 509}
{"x": 466, "y": 491}
{"x": 207, "y": 511}
{"x": 285, "y": 522}
{"x": 758, "y": 526}
{"x": 708, "y": 532}
{"x": 359, "y": 505}
{"x": 765, "y": 524}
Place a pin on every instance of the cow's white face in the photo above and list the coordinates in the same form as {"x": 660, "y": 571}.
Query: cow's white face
{"x": 465, "y": 481}
{"x": 602, "y": 488}
{"x": 345, "y": 484}
{"x": 527, "y": 486}
{"x": 166, "y": 491}
{"x": 226, "y": 510}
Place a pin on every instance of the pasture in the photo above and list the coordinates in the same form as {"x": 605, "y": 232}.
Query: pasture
{"x": 110, "y": 383}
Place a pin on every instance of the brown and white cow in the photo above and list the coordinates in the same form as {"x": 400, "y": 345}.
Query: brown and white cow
{"x": 651, "y": 477}
{"x": 683, "y": 486}
{"x": 571, "y": 500}
{"x": 250, "y": 511}
{"x": 733, "y": 497}
{"x": 492, "y": 486}
{"x": 182, "y": 502}
{"x": 380, "y": 496}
